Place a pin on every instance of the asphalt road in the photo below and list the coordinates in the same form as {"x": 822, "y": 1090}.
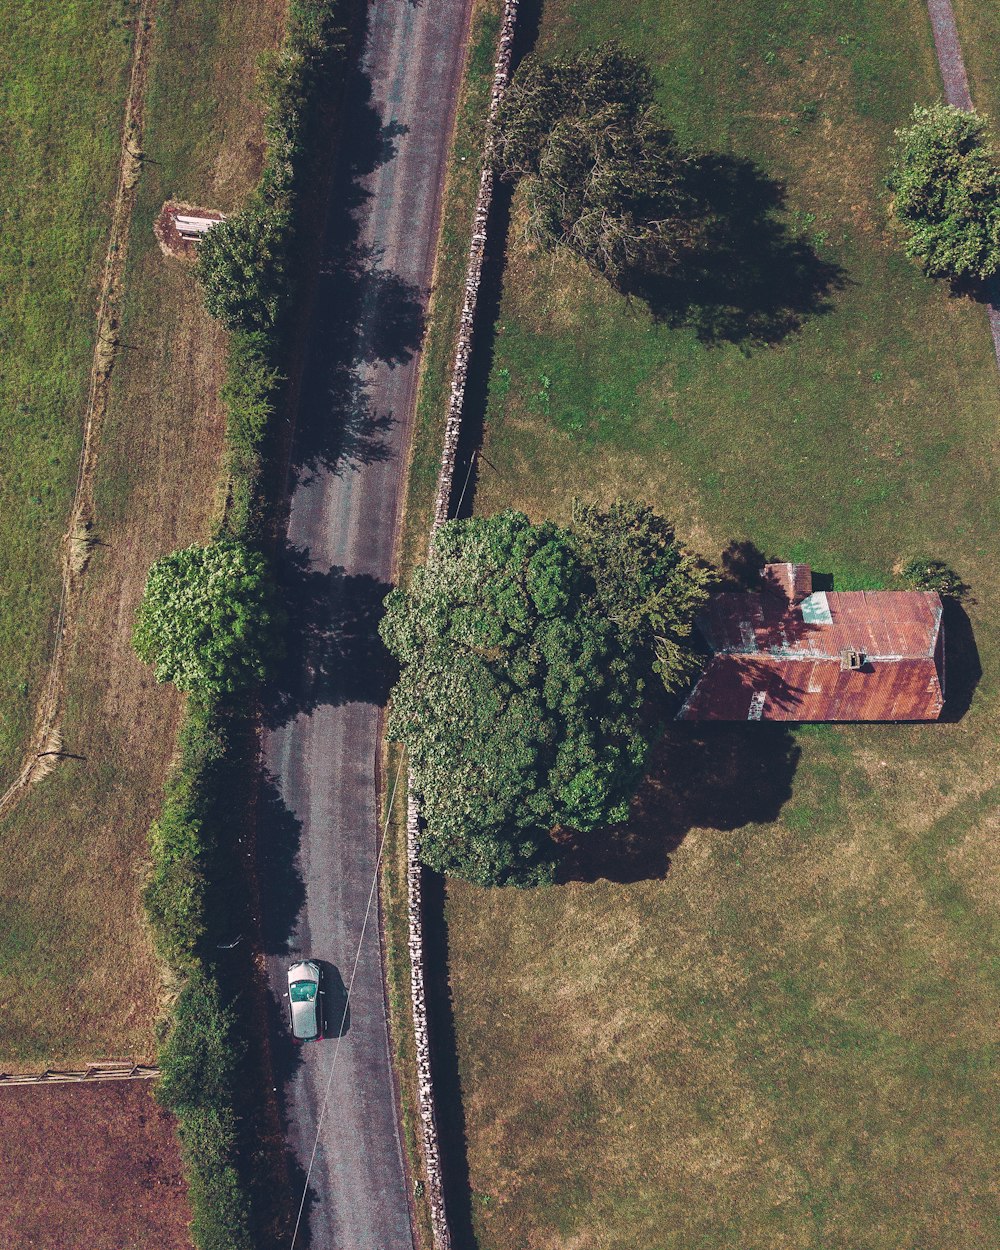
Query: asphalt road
{"x": 321, "y": 748}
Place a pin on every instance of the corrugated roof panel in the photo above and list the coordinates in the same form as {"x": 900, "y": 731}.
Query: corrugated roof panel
{"x": 790, "y": 654}
{"x": 815, "y": 690}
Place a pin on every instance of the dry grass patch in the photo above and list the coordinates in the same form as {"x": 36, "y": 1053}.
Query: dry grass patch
{"x": 762, "y": 1014}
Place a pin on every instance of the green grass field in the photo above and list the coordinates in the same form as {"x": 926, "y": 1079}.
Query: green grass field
{"x": 78, "y": 978}
{"x": 764, "y": 1016}
{"x": 63, "y": 71}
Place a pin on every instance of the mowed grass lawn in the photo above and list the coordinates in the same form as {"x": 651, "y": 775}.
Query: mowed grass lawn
{"x": 63, "y": 77}
{"x": 765, "y": 1015}
{"x": 78, "y": 978}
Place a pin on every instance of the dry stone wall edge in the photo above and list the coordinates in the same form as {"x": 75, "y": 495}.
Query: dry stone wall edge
{"x": 430, "y": 1143}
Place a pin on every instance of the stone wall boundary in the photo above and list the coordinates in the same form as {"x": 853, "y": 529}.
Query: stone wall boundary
{"x": 430, "y": 1143}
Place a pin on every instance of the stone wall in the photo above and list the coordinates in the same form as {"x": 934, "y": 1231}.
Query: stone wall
{"x": 414, "y": 873}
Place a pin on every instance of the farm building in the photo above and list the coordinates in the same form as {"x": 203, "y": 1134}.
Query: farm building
{"x": 790, "y": 653}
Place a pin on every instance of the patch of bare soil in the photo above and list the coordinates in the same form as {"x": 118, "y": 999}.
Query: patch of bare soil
{"x": 169, "y": 236}
{"x": 90, "y": 1167}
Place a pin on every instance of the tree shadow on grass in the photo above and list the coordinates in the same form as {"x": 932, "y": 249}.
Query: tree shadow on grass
{"x": 753, "y": 281}
{"x": 721, "y": 776}
{"x": 334, "y": 654}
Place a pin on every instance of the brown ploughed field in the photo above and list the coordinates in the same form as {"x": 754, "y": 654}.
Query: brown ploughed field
{"x": 90, "y": 1167}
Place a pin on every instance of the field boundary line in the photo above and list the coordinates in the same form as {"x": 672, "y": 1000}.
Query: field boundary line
{"x": 429, "y": 1137}
{"x": 44, "y": 747}
{"x": 951, "y": 62}
{"x": 99, "y": 1070}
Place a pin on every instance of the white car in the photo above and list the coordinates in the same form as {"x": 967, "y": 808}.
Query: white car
{"x": 305, "y": 1001}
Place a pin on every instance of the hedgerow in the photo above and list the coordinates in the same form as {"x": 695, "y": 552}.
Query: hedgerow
{"x": 248, "y": 273}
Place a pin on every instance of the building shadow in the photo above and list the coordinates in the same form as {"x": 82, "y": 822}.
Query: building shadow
{"x": 962, "y": 666}
{"x": 700, "y": 776}
{"x": 333, "y": 651}
{"x": 752, "y": 280}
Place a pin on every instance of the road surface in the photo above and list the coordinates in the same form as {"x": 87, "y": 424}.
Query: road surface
{"x": 351, "y": 443}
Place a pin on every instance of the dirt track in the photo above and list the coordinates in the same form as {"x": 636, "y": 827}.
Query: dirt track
{"x": 351, "y": 448}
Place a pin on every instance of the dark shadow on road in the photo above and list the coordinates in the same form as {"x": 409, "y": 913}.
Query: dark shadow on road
{"x": 452, "y": 1132}
{"x": 719, "y": 777}
{"x": 962, "y": 666}
{"x": 364, "y": 315}
{"x": 334, "y": 654}
{"x": 282, "y": 890}
{"x": 752, "y": 280}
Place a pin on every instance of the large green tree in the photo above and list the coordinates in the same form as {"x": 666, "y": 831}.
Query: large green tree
{"x": 945, "y": 184}
{"x": 525, "y": 657}
{"x": 605, "y": 177}
{"x": 208, "y": 621}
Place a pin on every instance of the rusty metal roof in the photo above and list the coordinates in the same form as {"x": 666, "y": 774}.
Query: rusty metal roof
{"x": 830, "y": 656}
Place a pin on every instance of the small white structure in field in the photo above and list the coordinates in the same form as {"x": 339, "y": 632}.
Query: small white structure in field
{"x": 191, "y": 229}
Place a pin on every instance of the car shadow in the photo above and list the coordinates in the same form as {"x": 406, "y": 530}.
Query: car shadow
{"x": 336, "y": 1005}
{"x": 963, "y": 668}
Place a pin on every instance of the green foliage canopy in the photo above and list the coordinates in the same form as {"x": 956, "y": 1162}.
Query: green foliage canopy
{"x": 524, "y": 670}
{"x": 945, "y": 184}
{"x": 207, "y": 621}
{"x": 605, "y": 177}
{"x": 241, "y": 267}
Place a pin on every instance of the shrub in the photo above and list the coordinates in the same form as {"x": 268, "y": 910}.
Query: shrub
{"x": 242, "y": 267}
{"x": 605, "y": 177}
{"x": 198, "y": 1064}
{"x": 199, "y": 1059}
{"x": 208, "y": 621}
{"x": 945, "y": 184}
{"x": 926, "y": 574}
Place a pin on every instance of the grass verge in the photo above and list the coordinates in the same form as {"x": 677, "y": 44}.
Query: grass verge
{"x": 760, "y": 1016}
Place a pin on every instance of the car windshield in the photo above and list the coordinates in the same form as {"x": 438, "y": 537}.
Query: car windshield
{"x": 303, "y": 991}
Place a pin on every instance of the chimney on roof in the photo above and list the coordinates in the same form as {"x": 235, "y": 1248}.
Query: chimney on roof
{"x": 851, "y": 659}
{"x": 792, "y": 581}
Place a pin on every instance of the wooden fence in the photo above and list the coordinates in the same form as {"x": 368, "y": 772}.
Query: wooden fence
{"x": 102, "y": 1070}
